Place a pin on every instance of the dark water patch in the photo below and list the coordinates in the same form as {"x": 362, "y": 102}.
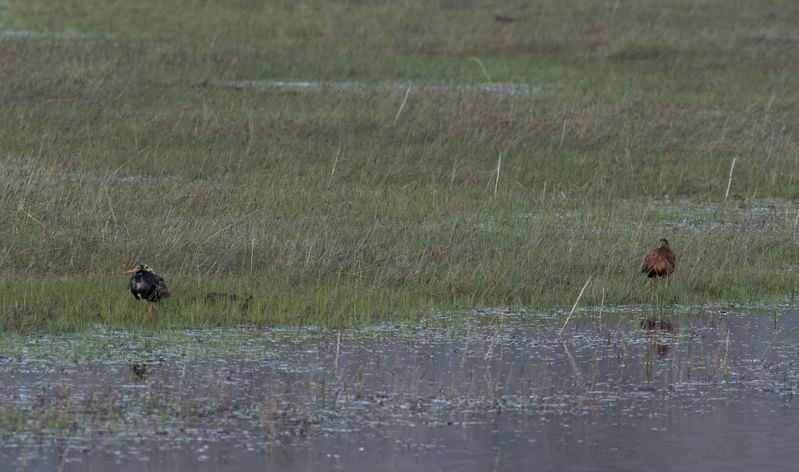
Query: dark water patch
{"x": 493, "y": 389}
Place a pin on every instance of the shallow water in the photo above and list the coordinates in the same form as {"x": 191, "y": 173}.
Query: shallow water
{"x": 489, "y": 88}
{"x": 478, "y": 391}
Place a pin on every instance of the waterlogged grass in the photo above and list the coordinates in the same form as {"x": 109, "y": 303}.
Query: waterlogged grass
{"x": 128, "y": 135}
{"x": 392, "y": 258}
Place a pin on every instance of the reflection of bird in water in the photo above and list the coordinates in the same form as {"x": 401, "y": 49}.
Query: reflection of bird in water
{"x": 138, "y": 370}
{"x": 148, "y": 286}
{"x": 660, "y": 262}
{"x": 653, "y": 323}
{"x": 658, "y": 330}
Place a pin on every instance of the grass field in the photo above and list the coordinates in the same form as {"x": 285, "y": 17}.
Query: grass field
{"x": 171, "y": 135}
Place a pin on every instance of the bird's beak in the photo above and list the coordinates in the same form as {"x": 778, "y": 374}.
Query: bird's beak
{"x": 132, "y": 271}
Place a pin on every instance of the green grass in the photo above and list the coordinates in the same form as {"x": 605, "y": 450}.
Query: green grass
{"x": 126, "y": 139}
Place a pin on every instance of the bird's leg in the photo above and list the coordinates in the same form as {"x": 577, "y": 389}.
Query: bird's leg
{"x": 150, "y": 311}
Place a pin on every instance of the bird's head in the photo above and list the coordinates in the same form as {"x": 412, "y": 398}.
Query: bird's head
{"x": 141, "y": 268}
{"x": 663, "y": 243}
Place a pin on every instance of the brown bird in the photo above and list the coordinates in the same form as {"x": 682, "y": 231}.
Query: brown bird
{"x": 659, "y": 262}
{"x": 148, "y": 286}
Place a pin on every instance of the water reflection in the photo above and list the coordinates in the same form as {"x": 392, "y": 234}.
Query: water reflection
{"x": 659, "y": 329}
{"x": 489, "y": 391}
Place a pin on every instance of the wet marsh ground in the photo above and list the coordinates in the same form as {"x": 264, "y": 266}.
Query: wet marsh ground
{"x": 334, "y": 191}
{"x": 177, "y": 136}
{"x": 624, "y": 387}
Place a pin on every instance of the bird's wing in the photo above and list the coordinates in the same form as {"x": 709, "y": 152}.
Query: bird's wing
{"x": 160, "y": 287}
{"x": 672, "y": 258}
{"x": 660, "y": 261}
{"x": 649, "y": 262}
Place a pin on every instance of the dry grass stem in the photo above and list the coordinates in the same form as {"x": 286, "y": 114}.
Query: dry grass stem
{"x": 729, "y": 181}
{"x": 333, "y": 170}
{"x": 574, "y": 307}
{"x": 402, "y": 105}
{"x": 480, "y": 63}
{"x": 499, "y": 165}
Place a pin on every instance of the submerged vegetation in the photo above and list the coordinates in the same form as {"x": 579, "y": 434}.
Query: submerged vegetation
{"x": 445, "y": 156}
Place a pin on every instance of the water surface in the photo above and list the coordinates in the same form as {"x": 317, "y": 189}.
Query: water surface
{"x": 492, "y": 390}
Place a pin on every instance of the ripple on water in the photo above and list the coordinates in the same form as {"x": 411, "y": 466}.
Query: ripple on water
{"x": 459, "y": 382}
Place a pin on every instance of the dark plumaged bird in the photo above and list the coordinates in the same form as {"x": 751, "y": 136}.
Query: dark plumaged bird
{"x": 659, "y": 262}
{"x": 148, "y": 286}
